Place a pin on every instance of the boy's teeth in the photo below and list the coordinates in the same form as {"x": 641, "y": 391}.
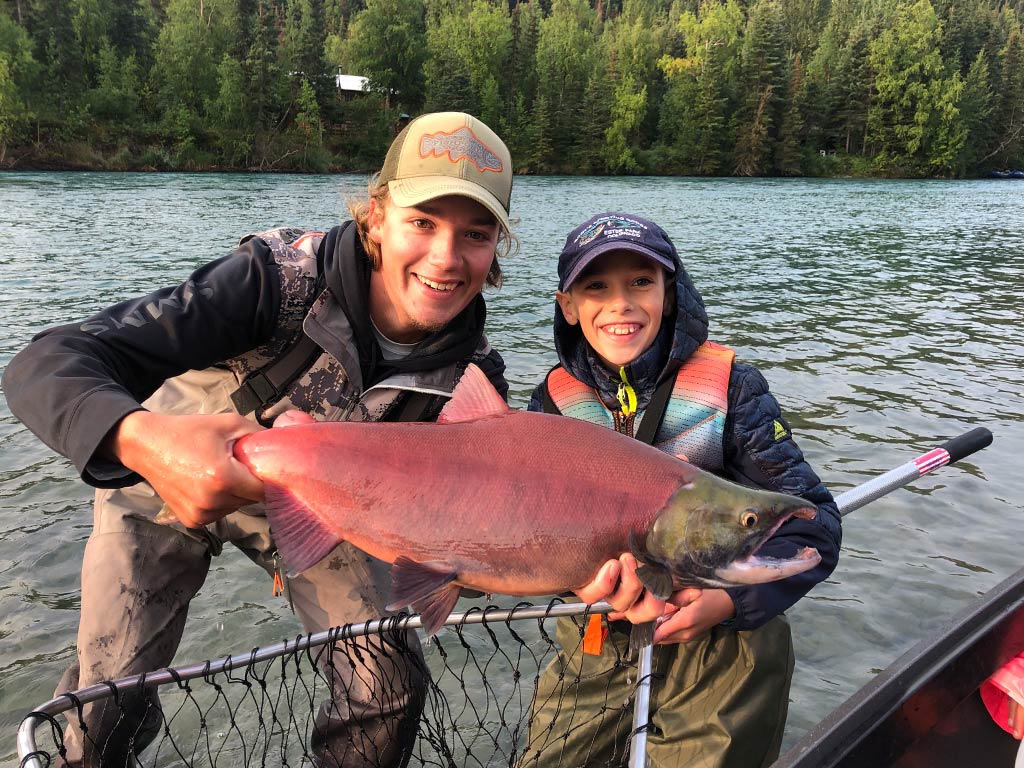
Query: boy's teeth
{"x": 622, "y": 330}
{"x": 438, "y": 286}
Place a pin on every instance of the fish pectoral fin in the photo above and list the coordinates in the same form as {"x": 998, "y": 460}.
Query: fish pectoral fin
{"x": 428, "y": 587}
{"x": 301, "y": 537}
{"x": 656, "y": 579}
{"x": 640, "y": 636}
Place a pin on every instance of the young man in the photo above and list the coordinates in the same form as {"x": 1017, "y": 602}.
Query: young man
{"x": 374, "y": 320}
{"x": 631, "y": 335}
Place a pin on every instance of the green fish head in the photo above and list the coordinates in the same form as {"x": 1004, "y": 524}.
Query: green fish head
{"x": 710, "y": 530}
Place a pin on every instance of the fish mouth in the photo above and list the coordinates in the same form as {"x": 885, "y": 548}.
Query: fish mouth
{"x": 806, "y": 513}
{"x": 756, "y": 570}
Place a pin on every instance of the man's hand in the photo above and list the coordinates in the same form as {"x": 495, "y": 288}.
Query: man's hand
{"x": 692, "y": 612}
{"x": 188, "y": 461}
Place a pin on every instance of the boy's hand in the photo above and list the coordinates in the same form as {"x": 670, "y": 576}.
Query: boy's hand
{"x": 188, "y": 461}
{"x": 618, "y": 585}
{"x": 692, "y": 612}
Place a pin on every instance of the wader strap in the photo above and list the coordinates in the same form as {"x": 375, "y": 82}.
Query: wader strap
{"x": 267, "y": 385}
{"x": 654, "y": 414}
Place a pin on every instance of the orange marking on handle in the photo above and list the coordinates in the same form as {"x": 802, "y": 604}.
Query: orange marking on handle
{"x": 594, "y": 636}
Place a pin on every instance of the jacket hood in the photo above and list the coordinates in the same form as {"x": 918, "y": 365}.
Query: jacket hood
{"x": 347, "y": 269}
{"x": 682, "y": 331}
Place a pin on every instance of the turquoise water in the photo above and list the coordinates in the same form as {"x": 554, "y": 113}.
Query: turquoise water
{"x": 887, "y": 316}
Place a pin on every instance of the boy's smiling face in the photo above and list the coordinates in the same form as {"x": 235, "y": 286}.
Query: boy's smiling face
{"x": 618, "y": 302}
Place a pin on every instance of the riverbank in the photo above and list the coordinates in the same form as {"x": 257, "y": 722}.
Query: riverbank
{"x": 283, "y": 155}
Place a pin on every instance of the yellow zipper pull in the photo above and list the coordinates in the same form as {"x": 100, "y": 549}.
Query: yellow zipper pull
{"x": 626, "y": 394}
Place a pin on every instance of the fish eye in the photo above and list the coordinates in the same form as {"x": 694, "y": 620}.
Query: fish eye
{"x": 748, "y": 519}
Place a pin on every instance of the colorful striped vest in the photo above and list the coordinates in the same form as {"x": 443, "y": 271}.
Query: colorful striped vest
{"x": 694, "y": 418}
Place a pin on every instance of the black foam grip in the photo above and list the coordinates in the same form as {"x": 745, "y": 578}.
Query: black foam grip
{"x": 967, "y": 443}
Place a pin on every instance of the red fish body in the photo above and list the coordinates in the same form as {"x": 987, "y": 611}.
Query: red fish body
{"x": 504, "y": 502}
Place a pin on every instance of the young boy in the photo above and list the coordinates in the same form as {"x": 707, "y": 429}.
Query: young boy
{"x": 631, "y": 335}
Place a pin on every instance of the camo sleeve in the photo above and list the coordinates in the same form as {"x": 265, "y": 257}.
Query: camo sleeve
{"x": 74, "y": 382}
{"x": 760, "y": 451}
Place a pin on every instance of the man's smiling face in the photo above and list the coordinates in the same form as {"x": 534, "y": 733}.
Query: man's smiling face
{"x": 434, "y": 260}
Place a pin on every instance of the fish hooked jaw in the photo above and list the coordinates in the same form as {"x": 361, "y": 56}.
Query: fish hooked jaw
{"x": 757, "y": 570}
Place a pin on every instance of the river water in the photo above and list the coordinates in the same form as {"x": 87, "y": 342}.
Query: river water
{"x": 888, "y": 316}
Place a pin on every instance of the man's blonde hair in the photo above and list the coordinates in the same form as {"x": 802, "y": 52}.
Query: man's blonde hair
{"x": 378, "y": 193}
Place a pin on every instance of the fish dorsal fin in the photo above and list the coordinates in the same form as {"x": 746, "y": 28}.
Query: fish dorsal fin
{"x": 474, "y": 398}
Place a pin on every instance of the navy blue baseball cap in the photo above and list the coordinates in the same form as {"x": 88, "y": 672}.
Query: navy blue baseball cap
{"x": 614, "y": 232}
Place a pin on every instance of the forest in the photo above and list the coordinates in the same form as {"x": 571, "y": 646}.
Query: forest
{"x": 889, "y": 88}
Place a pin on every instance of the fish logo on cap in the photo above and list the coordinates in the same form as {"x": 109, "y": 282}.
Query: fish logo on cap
{"x": 616, "y": 225}
{"x": 460, "y": 144}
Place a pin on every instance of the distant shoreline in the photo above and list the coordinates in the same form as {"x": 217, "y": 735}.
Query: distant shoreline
{"x": 120, "y": 161}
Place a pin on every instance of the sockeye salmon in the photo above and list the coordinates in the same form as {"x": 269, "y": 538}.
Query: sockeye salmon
{"x": 509, "y": 502}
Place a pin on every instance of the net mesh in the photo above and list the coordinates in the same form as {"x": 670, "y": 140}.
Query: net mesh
{"x": 478, "y": 681}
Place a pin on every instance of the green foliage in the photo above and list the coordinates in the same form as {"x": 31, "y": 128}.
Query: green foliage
{"x": 387, "y": 44}
{"x": 469, "y": 43}
{"x": 115, "y": 98}
{"x": 913, "y": 120}
{"x": 18, "y": 73}
{"x": 757, "y": 87}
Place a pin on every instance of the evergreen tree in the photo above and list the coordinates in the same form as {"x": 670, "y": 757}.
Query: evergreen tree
{"x": 975, "y": 107}
{"x": 788, "y": 143}
{"x": 266, "y": 85}
{"x": 520, "y": 84}
{"x": 303, "y": 38}
{"x": 762, "y": 80}
{"x": 387, "y": 44}
{"x": 912, "y": 119}
{"x": 56, "y": 47}
{"x": 1008, "y": 111}
{"x": 18, "y": 72}
{"x": 694, "y": 126}
{"x": 468, "y": 42}
{"x": 565, "y": 61}
{"x": 115, "y": 97}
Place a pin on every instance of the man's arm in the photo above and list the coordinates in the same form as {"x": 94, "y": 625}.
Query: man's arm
{"x": 73, "y": 384}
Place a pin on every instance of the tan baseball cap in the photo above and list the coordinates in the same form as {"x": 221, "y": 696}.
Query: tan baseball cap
{"x": 449, "y": 153}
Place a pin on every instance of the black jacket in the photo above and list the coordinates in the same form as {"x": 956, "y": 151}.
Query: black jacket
{"x": 73, "y": 383}
{"x": 753, "y": 456}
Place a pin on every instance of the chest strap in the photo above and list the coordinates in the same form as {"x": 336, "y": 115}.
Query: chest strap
{"x": 686, "y": 413}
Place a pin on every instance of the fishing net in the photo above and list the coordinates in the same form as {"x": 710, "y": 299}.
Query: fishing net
{"x": 478, "y": 678}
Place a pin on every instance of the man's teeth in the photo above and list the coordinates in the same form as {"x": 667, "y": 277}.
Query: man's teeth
{"x": 438, "y": 286}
